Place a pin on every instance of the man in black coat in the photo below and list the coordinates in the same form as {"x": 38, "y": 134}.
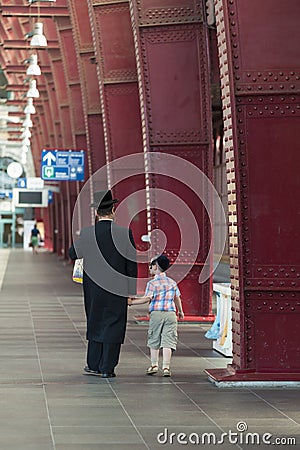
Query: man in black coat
{"x": 109, "y": 278}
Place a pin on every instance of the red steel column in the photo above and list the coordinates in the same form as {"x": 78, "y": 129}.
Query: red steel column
{"x": 59, "y": 103}
{"x": 72, "y": 112}
{"x": 90, "y": 95}
{"x": 173, "y": 45}
{"x": 91, "y": 118}
{"x": 260, "y": 75}
{"x": 115, "y": 58}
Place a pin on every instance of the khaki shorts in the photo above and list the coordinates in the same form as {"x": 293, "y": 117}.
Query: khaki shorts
{"x": 162, "y": 331}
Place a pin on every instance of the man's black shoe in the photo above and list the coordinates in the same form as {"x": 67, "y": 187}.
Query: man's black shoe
{"x": 108, "y": 375}
{"x": 91, "y": 372}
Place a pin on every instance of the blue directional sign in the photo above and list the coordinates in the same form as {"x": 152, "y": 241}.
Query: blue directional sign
{"x": 63, "y": 165}
{"x": 22, "y": 183}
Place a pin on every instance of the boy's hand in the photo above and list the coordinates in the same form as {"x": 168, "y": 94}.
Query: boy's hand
{"x": 181, "y": 315}
{"x": 129, "y": 301}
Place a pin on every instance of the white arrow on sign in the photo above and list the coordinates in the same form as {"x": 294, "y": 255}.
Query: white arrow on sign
{"x": 48, "y": 158}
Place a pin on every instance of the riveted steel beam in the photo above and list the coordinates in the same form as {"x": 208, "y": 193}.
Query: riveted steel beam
{"x": 20, "y": 44}
{"x": 33, "y": 11}
{"x": 14, "y": 68}
{"x": 24, "y": 87}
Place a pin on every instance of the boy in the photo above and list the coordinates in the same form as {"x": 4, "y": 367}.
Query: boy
{"x": 163, "y": 296}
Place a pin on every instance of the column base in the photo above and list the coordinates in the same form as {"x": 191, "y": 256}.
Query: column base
{"x": 187, "y": 319}
{"x": 230, "y": 378}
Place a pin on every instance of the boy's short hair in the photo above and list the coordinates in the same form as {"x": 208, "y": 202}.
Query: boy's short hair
{"x": 162, "y": 261}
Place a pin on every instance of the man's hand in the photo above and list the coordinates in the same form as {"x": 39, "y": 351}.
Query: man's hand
{"x": 181, "y": 315}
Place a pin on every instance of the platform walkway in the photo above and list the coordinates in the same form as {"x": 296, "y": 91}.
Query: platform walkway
{"x": 46, "y": 403}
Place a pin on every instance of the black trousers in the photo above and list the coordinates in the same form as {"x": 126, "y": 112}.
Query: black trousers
{"x": 103, "y": 356}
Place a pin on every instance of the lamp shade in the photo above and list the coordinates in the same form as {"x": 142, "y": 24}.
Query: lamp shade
{"x": 26, "y": 133}
{"x": 27, "y": 122}
{"x": 29, "y": 108}
{"x": 38, "y": 39}
{"x": 34, "y": 68}
{"x": 26, "y": 142}
{"x": 32, "y": 91}
{"x": 24, "y": 158}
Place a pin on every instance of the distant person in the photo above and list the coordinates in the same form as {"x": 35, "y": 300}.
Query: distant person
{"x": 35, "y": 235}
{"x": 109, "y": 278}
{"x": 163, "y": 297}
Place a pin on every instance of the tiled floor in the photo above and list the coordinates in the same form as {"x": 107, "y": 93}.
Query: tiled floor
{"x": 47, "y": 403}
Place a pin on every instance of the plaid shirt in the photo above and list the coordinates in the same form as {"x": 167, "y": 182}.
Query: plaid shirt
{"x": 162, "y": 291}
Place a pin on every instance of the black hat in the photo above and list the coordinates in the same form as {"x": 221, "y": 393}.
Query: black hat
{"x": 162, "y": 261}
{"x": 103, "y": 200}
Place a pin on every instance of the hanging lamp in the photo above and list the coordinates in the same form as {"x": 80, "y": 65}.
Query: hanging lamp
{"x": 29, "y": 108}
{"x": 32, "y": 91}
{"x": 27, "y": 122}
{"x": 33, "y": 69}
{"x": 38, "y": 39}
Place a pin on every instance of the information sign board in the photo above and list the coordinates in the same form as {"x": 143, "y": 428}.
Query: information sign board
{"x": 63, "y": 165}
